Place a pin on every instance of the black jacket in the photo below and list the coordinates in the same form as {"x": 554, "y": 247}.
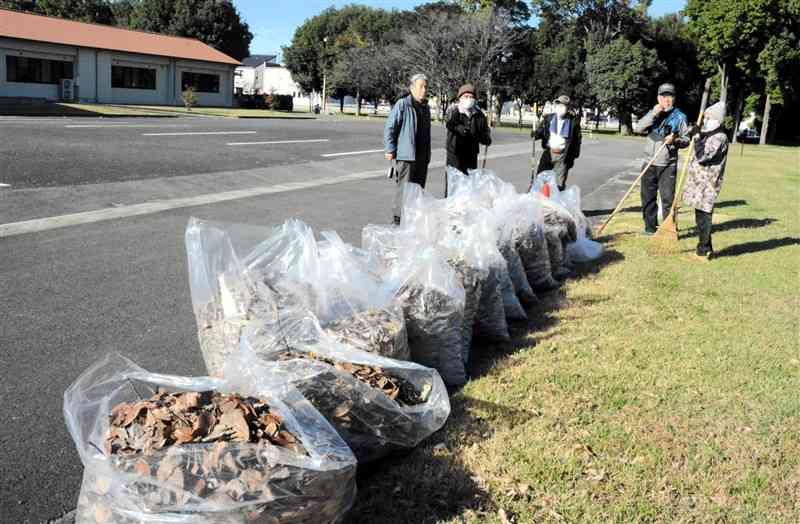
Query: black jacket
{"x": 573, "y": 141}
{"x": 465, "y": 134}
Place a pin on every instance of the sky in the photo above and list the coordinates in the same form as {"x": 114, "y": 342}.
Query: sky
{"x": 273, "y": 23}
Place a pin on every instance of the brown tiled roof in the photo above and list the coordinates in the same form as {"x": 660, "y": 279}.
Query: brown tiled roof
{"x": 26, "y": 26}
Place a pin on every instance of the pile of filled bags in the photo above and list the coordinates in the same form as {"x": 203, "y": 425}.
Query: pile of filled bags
{"x": 320, "y": 355}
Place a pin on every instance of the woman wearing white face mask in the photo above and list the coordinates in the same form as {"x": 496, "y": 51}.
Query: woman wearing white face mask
{"x": 467, "y": 129}
{"x": 560, "y": 134}
{"x": 706, "y": 171}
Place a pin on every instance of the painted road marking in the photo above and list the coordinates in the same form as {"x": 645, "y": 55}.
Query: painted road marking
{"x": 195, "y": 133}
{"x": 4, "y": 185}
{"x": 277, "y": 142}
{"x": 353, "y": 153}
{"x": 89, "y": 217}
{"x": 103, "y": 126}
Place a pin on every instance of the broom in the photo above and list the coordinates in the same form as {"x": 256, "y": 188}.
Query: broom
{"x": 622, "y": 201}
{"x": 534, "y": 128}
{"x": 665, "y": 239}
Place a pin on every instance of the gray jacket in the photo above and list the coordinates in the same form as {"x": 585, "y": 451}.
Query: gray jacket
{"x": 658, "y": 126}
{"x": 400, "y": 132}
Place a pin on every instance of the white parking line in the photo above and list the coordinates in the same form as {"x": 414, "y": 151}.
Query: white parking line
{"x": 4, "y": 185}
{"x": 194, "y": 133}
{"x": 103, "y": 126}
{"x": 353, "y": 153}
{"x": 277, "y": 142}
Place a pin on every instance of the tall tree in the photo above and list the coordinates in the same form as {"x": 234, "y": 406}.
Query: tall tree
{"x": 730, "y": 35}
{"x": 96, "y": 11}
{"x": 215, "y": 22}
{"x": 621, "y": 76}
{"x": 319, "y": 43}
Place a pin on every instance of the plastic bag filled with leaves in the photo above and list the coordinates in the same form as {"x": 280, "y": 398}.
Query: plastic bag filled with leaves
{"x": 431, "y": 295}
{"x": 230, "y": 276}
{"x": 169, "y": 449}
{"x": 524, "y": 214}
{"x": 487, "y": 191}
{"x": 376, "y": 404}
{"x": 465, "y": 235}
{"x": 584, "y": 249}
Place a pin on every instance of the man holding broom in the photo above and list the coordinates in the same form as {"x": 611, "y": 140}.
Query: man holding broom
{"x": 665, "y": 125}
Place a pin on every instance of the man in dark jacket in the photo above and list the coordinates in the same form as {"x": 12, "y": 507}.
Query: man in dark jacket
{"x": 467, "y": 129}
{"x": 407, "y": 139}
{"x": 560, "y": 134}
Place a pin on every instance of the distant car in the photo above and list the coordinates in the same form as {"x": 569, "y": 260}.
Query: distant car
{"x": 749, "y": 136}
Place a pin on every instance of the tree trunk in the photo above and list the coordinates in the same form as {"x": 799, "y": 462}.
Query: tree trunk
{"x": 723, "y": 84}
{"x": 358, "y": 102}
{"x": 765, "y": 124}
{"x": 737, "y": 120}
{"x": 519, "y": 112}
{"x": 341, "y": 104}
{"x": 625, "y": 122}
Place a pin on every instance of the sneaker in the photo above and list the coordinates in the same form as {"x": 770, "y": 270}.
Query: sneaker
{"x": 397, "y": 221}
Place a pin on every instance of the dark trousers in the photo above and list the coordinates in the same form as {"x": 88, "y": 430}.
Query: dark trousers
{"x": 407, "y": 172}
{"x": 462, "y": 163}
{"x": 556, "y": 162}
{"x": 703, "y": 221}
{"x": 657, "y": 180}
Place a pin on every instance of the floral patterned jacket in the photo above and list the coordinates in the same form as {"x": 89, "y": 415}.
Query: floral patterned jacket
{"x": 706, "y": 170}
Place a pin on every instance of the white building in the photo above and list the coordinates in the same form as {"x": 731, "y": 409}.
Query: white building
{"x": 244, "y": 82}
{"x": 262, "y": 75}
{"x": 107, "y": 64}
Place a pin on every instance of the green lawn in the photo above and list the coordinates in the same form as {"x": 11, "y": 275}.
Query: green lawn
{"x": 650, "y": 389}
{"x": 62, "y": 109}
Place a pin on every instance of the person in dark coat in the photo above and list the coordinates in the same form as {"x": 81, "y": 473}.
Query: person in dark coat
{"x": 467, "y": 129}
{"x": 560, "y": 134}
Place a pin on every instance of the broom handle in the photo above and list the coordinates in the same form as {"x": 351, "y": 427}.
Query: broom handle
{"x": 485, "y": 154}
{"x": 679, "y": 188}
{"x": 635, "y": 183}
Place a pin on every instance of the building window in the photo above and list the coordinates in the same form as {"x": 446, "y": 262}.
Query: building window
{"x": 202, "y": 83}
{"x": 133, "y": 77}
{"x": 36, "y": 70}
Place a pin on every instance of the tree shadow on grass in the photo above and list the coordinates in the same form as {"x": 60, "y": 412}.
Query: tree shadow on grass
{"x": 430, "y": 483}
{"x": 755, "y": 247}
{"x": 739, "y": 223}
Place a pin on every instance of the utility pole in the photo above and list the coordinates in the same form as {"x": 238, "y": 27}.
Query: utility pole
{"x": 324, "y": 75}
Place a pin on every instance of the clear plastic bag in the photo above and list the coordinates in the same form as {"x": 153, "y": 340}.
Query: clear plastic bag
{"x": 465, "y": 233}
{"x": 229, "y": 279}
{"x": 375, "y": 403}
{"x": 430, "y": 293}
{"x": 488, "y": 191}
{"x": 584, "y": 249}
{"x": 214, "y": 483}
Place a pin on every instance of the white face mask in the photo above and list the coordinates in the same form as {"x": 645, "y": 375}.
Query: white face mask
{"x": 466, "y": 103}
{"x": 561, "y": 110}
{"x": 710, "y": 124}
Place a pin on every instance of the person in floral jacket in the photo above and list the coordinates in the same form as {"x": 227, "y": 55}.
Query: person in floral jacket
{"x": 706, "y": 171}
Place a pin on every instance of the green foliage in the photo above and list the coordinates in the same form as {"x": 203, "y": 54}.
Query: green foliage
{"x": 621, "y": 75}
{"x": 189, "y": 98}
{"x": 215, "y": 22}
{"x": 321, "y": 41}
{"x": 97, "y": 11}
